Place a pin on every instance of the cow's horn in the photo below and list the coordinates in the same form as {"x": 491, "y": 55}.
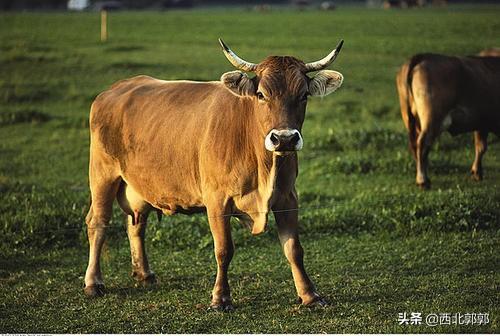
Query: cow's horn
{"x": 235, "y": 60}
{"x": 323, "y": 63}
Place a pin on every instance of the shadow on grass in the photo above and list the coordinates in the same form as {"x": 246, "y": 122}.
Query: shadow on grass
{"x": 23, "y": 116}
{"x": 23, "y": 263}
{"x": 125, "y": 48}
{"x": 25, "y": 93}
{"x": 132, "y": 291}
{"x": 165, "y": 283}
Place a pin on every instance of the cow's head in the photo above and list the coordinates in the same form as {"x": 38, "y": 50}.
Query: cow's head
{"x": 279, "y": 91}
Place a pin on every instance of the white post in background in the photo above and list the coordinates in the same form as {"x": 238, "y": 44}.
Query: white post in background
{"x": 104, "y": 25}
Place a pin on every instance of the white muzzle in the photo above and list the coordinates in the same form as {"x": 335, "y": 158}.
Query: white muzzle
{"x": 284, "y": 140}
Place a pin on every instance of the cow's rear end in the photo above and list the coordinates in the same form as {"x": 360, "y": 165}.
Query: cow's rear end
{"x": 445, "y": 93}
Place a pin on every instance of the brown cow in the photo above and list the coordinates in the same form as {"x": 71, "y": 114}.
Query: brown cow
{"x": 493, "y": 52}
{"x": 445, "y": 93}
{"x": 226, "y": 147}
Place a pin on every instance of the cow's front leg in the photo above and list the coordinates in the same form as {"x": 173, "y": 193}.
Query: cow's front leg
{"x": 480, "y": 144}
{"x": 287, "y": 222}
{"x": 140, "y": 265}
{"x": 224, "y": 249}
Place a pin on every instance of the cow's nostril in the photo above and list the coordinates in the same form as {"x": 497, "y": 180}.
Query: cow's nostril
{"x": 274, "y": 139}
{"x": 295, "y": 138}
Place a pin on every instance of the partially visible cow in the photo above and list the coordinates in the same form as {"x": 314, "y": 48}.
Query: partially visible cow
{"x": 446, "y": 93}
{"x": 493, "y": 52}
{"x": 226, "y": 147}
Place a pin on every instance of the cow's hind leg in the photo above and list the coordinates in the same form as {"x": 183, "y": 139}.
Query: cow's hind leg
{"x": 481, "y": 145}
{"x": 137, "y": 210}
{"x": 136, "y": 231}
{"x": 430, "y": 130}
{"x": 424, "y": 142}
{"x": 405, "y": 102}
{"x": 224, "y": 250}
{"x": 103, "y": 188}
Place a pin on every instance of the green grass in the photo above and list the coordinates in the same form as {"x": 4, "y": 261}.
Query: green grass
{"x": 368, "y": 279}
{"x": 375, "y": 245}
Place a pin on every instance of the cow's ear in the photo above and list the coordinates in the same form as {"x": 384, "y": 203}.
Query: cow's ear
{"x": 325, "y": 82}
{"x": 238, "y": 82}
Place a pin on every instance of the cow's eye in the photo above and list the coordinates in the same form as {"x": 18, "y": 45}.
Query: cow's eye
{"x": 260, "y": 96}
{"x": 304, "y": 97}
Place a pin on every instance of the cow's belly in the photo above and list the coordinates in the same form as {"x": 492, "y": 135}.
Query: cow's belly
{"x": 173, "y": 205}
{"x": 175, "y": 201}
{"x": 463, "y": 119}
{"x": 170, "y": 198}
{"x": 166, "y": 179}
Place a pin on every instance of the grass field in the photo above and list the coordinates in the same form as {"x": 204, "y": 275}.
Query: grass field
{"x": 375, "y": 245}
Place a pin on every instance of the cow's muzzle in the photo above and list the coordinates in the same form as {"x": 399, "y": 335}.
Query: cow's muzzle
{"x": 284, "y": 140}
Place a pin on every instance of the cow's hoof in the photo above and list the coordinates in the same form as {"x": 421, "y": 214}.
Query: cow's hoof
{"x": 225, "y": 308}
{"x": 476, "y": 176}
{"x": 93, "y": 291}
{"x": 426, "y": 185}
{"x": 313, "y": 301}
{"x": 224, "y": 305}
{"x": 145, "y": 280}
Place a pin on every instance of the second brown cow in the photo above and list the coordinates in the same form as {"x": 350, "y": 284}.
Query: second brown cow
{"x": 446, "y": 93}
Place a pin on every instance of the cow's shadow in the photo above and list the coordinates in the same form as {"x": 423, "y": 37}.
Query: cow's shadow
{"x": 164, "y": 283}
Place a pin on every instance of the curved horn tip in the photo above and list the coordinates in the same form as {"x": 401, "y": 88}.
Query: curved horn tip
{"x": 235, "y": 60}
{"x": 223, "y": 45}
{"x": 339, "y": 45}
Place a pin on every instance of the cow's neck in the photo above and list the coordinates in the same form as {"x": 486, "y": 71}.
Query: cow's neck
{"x": 259, "y": 171}
{"x": 270, "y": 168}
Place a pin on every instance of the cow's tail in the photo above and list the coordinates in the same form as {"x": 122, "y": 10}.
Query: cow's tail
{"x": 404, "y": 79}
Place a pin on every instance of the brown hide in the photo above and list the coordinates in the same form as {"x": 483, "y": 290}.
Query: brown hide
{"x": 493, "y": 52}
{"x": 456, "y": 94}
{"x": 227, "y": 148}
{"x": 178, "y": 143}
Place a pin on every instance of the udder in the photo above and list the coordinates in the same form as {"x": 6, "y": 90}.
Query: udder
{"x": 132, "y": 203}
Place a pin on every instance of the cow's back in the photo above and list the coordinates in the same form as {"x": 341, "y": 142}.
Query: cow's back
{"x": 138, "y": 106}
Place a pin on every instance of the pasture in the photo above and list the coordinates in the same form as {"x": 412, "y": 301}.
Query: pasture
{"x": 375, "y": 245}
